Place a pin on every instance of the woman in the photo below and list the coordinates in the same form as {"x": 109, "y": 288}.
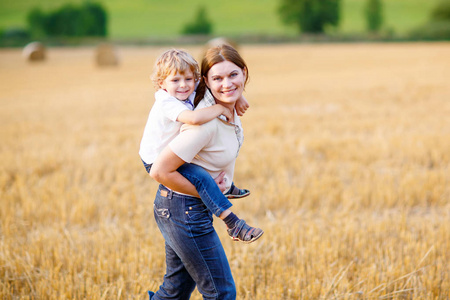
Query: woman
{"x": 194, "y": 253}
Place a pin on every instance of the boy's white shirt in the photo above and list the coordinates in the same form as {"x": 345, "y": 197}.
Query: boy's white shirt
{"x": 162, "y": 125}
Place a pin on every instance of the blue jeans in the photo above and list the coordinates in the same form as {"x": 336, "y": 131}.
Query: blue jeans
{"x": 194, "y": 253}
{"x": 205, "y": 185}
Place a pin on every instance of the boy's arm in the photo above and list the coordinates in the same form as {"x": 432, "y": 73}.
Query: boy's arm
{"x": 241, "y": 106}
{"x": 203, "y": 115}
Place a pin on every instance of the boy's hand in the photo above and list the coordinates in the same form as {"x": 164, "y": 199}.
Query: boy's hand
{"x": 221, "y": 183}
{"x": 226, "y": 112}
{"x": 241, "y": 106}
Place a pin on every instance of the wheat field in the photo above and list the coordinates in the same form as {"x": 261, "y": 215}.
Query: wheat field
{"x": 347, "y": 155}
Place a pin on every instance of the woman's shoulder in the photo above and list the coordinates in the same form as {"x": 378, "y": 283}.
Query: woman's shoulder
{"x": 207, "y": 100}
{"x": 197, "y": 134}
{"x": 201, "y": 104}
{"x": 205, "y": 127}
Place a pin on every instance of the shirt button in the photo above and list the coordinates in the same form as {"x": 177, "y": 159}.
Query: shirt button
{"x": 190, "y": 208}
{"x": 187, "y": 212}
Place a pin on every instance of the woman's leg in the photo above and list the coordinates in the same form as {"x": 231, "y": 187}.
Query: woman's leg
{"x": 186, "y": 224}
{"x": 206, "y": 187}
{"x": 178, "y": 284}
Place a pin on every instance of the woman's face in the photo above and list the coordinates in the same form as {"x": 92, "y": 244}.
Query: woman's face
{"x": 226, "y": 82}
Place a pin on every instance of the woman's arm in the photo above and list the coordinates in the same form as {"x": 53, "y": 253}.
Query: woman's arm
{"x": 164, "y": 170}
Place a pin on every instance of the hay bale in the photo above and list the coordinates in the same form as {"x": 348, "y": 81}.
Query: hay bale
{"x": 220, "y": 41}
{"x": 217, "y": 42}
{"x": 34, "y": 51}
{"x": 106, "y": 55}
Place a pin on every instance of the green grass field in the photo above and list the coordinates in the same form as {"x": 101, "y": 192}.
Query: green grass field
{"x": 144, "y": 18}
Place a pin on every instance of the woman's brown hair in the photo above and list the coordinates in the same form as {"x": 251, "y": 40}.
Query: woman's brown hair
{"x": 214, "y": 56}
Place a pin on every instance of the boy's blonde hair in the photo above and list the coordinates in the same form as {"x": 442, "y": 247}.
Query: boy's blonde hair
{"x": 173, "y": 61}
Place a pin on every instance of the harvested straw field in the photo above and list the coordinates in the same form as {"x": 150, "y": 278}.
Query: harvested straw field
{"x": 347, "y": 155}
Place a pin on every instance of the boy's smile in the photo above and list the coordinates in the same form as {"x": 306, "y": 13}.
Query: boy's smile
{"x": 179, "y": 85}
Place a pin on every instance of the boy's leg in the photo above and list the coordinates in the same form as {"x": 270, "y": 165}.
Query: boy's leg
{"x": 235, "y": 192}
{"x": 147, "y": 166}
{"x": 217, "y": 203}
{"x": 206, "y": 187}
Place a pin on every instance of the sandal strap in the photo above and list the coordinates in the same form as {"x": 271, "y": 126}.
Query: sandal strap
{"x": 234, "y": 190}
{"x": 237, "y": 228}
{"x": 245, "y": 233}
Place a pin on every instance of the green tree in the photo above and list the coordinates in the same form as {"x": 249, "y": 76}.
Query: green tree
{"x": 374, "y": 15}
{"x": 89, "y": 19}
{"x": 200, "y": 25}
{"x": 438, "y": 25}
{"x": 36, "y": 20}
{"x": 65, "y": 21}
{"x": 310, "y": 16}
{"x": 94, "y": 19}
{"x": 441, "y": 13}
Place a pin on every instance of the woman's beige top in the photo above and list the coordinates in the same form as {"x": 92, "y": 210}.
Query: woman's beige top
{"x": 213, "y": 145}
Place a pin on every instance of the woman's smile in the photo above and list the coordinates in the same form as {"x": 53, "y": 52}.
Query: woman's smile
{"x": 226, "y": 82}
{"x": 229, "y": 92}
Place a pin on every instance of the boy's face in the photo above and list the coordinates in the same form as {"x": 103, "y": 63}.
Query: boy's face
{"x": 179, "y": 85}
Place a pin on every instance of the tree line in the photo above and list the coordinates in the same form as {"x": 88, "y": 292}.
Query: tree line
{"x": 316, "y": 16}
{"x": 308, "y": 16}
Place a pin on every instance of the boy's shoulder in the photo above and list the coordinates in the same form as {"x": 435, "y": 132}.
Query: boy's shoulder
{"x": 162, "y": 95}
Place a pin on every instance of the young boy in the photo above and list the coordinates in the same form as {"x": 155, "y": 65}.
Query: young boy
{"x": 176, "y": 75}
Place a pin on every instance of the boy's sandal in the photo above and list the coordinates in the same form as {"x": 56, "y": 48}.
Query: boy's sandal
{"x": 236, "y": 192}
{"x": 244, "y": 233}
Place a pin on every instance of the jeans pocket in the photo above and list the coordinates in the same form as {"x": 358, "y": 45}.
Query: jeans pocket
{"x": 196, "y": 212}
{"x": 199, "y": 218}
{"x": 161, "y": 212}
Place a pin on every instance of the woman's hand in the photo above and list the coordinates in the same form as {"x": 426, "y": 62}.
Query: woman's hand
{"x": 164, "y": 170}
{"x": 221, "y": 183}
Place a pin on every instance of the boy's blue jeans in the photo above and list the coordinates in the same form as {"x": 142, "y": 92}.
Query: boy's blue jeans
{"x": 206, "y": 187}
{"x": 194, "y": 253}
